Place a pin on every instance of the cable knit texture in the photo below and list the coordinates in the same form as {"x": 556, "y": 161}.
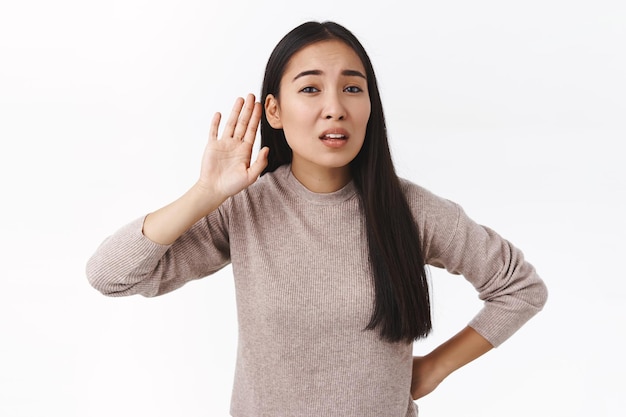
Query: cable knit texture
{"x": 305, "y": 293}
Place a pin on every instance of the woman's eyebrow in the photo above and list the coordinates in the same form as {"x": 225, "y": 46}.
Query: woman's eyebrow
{"x": 354, "y": 73}
{"x": 348, "y": 72}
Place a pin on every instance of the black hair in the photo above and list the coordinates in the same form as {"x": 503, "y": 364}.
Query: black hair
{"x": 401, "y": 310}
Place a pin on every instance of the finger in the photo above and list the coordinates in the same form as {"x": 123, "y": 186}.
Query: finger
{"x": 259, "y": 164}
{"x": 229, "y": 129}
{"x": 244, "y": 117}
{"x": 253, "y": 124}
{"x": 214, "y": 127}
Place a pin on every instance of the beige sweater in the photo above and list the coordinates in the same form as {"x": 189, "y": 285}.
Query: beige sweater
{"x": 304, "y": 292}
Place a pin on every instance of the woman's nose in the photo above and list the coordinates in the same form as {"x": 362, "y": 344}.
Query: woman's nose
{"x": 334, "y": 108}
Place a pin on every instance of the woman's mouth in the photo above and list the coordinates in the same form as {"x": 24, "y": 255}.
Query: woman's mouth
{"x": 334, "y": 139}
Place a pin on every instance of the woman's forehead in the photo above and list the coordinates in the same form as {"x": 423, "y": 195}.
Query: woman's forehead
{"x": 328, "y": 54}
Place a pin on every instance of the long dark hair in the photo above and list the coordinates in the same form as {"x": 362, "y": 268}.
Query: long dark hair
{"x": 402, "y": 303}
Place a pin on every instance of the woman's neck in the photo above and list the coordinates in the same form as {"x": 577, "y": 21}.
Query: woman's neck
{"x": 320, "y": 179}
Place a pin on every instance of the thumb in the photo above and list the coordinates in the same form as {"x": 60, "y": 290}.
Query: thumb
{"x": 259, "y": 164}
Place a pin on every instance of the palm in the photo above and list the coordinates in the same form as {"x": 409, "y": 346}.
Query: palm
{"x": 226, "y": 163}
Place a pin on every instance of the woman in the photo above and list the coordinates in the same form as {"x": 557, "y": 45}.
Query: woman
{"x": 328, "y": 247}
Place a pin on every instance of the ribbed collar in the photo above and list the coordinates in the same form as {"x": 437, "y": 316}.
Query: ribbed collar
{"x": 295, "y": 186}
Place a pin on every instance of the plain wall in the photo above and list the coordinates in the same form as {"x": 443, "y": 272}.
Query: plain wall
{"x": 515, "y": 110}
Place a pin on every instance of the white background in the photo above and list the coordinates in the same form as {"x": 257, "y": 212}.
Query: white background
{"x": 513, "y": 109}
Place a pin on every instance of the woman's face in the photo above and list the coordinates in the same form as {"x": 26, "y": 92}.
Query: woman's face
{"x": 323, "y": 109}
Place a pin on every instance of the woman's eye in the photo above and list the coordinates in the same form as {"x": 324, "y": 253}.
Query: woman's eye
{"x": 309, "y": 90}
{"x": 353, "y": 89}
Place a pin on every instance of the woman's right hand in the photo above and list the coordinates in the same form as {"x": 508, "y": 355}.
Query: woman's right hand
{"x": 225, "y": 171}
{"x": 226, "y": 167}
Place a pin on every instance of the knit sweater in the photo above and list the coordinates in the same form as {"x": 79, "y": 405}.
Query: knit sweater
{"x": 305, "y": 294}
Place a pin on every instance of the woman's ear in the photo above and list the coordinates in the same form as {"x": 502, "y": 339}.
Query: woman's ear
{"x": 272, "y": 112}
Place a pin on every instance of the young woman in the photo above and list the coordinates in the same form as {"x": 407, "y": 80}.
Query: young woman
{"x": 328, "y": 247}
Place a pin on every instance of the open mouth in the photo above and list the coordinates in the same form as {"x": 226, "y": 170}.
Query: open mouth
{"x": 333, "y": 136}
{"x": 334, "y": 140}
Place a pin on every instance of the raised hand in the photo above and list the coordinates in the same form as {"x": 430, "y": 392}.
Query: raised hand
{"x": 225, "y": 171}
{"x": 226, "y": 167}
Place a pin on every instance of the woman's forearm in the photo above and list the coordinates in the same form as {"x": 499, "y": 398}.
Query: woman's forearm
{"x": 167, "y": 224}
{"x": 461, "y": 349}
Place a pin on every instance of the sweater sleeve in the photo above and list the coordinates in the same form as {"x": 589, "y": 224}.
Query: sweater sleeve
{"x": 510, "y": 287}
{"x": 129, "y": 263}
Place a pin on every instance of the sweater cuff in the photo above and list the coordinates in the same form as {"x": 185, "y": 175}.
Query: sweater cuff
{"x": 497, "y": 322}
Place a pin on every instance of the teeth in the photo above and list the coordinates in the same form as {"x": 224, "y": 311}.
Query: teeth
{"x": 334, "y": 136}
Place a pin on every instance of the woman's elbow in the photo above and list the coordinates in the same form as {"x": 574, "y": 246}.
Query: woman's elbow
{"x": 541, "y": 294}
{"x": 108, "y": 283}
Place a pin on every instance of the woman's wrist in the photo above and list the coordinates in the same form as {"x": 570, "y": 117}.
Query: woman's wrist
{"x": 205, "y": 197}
